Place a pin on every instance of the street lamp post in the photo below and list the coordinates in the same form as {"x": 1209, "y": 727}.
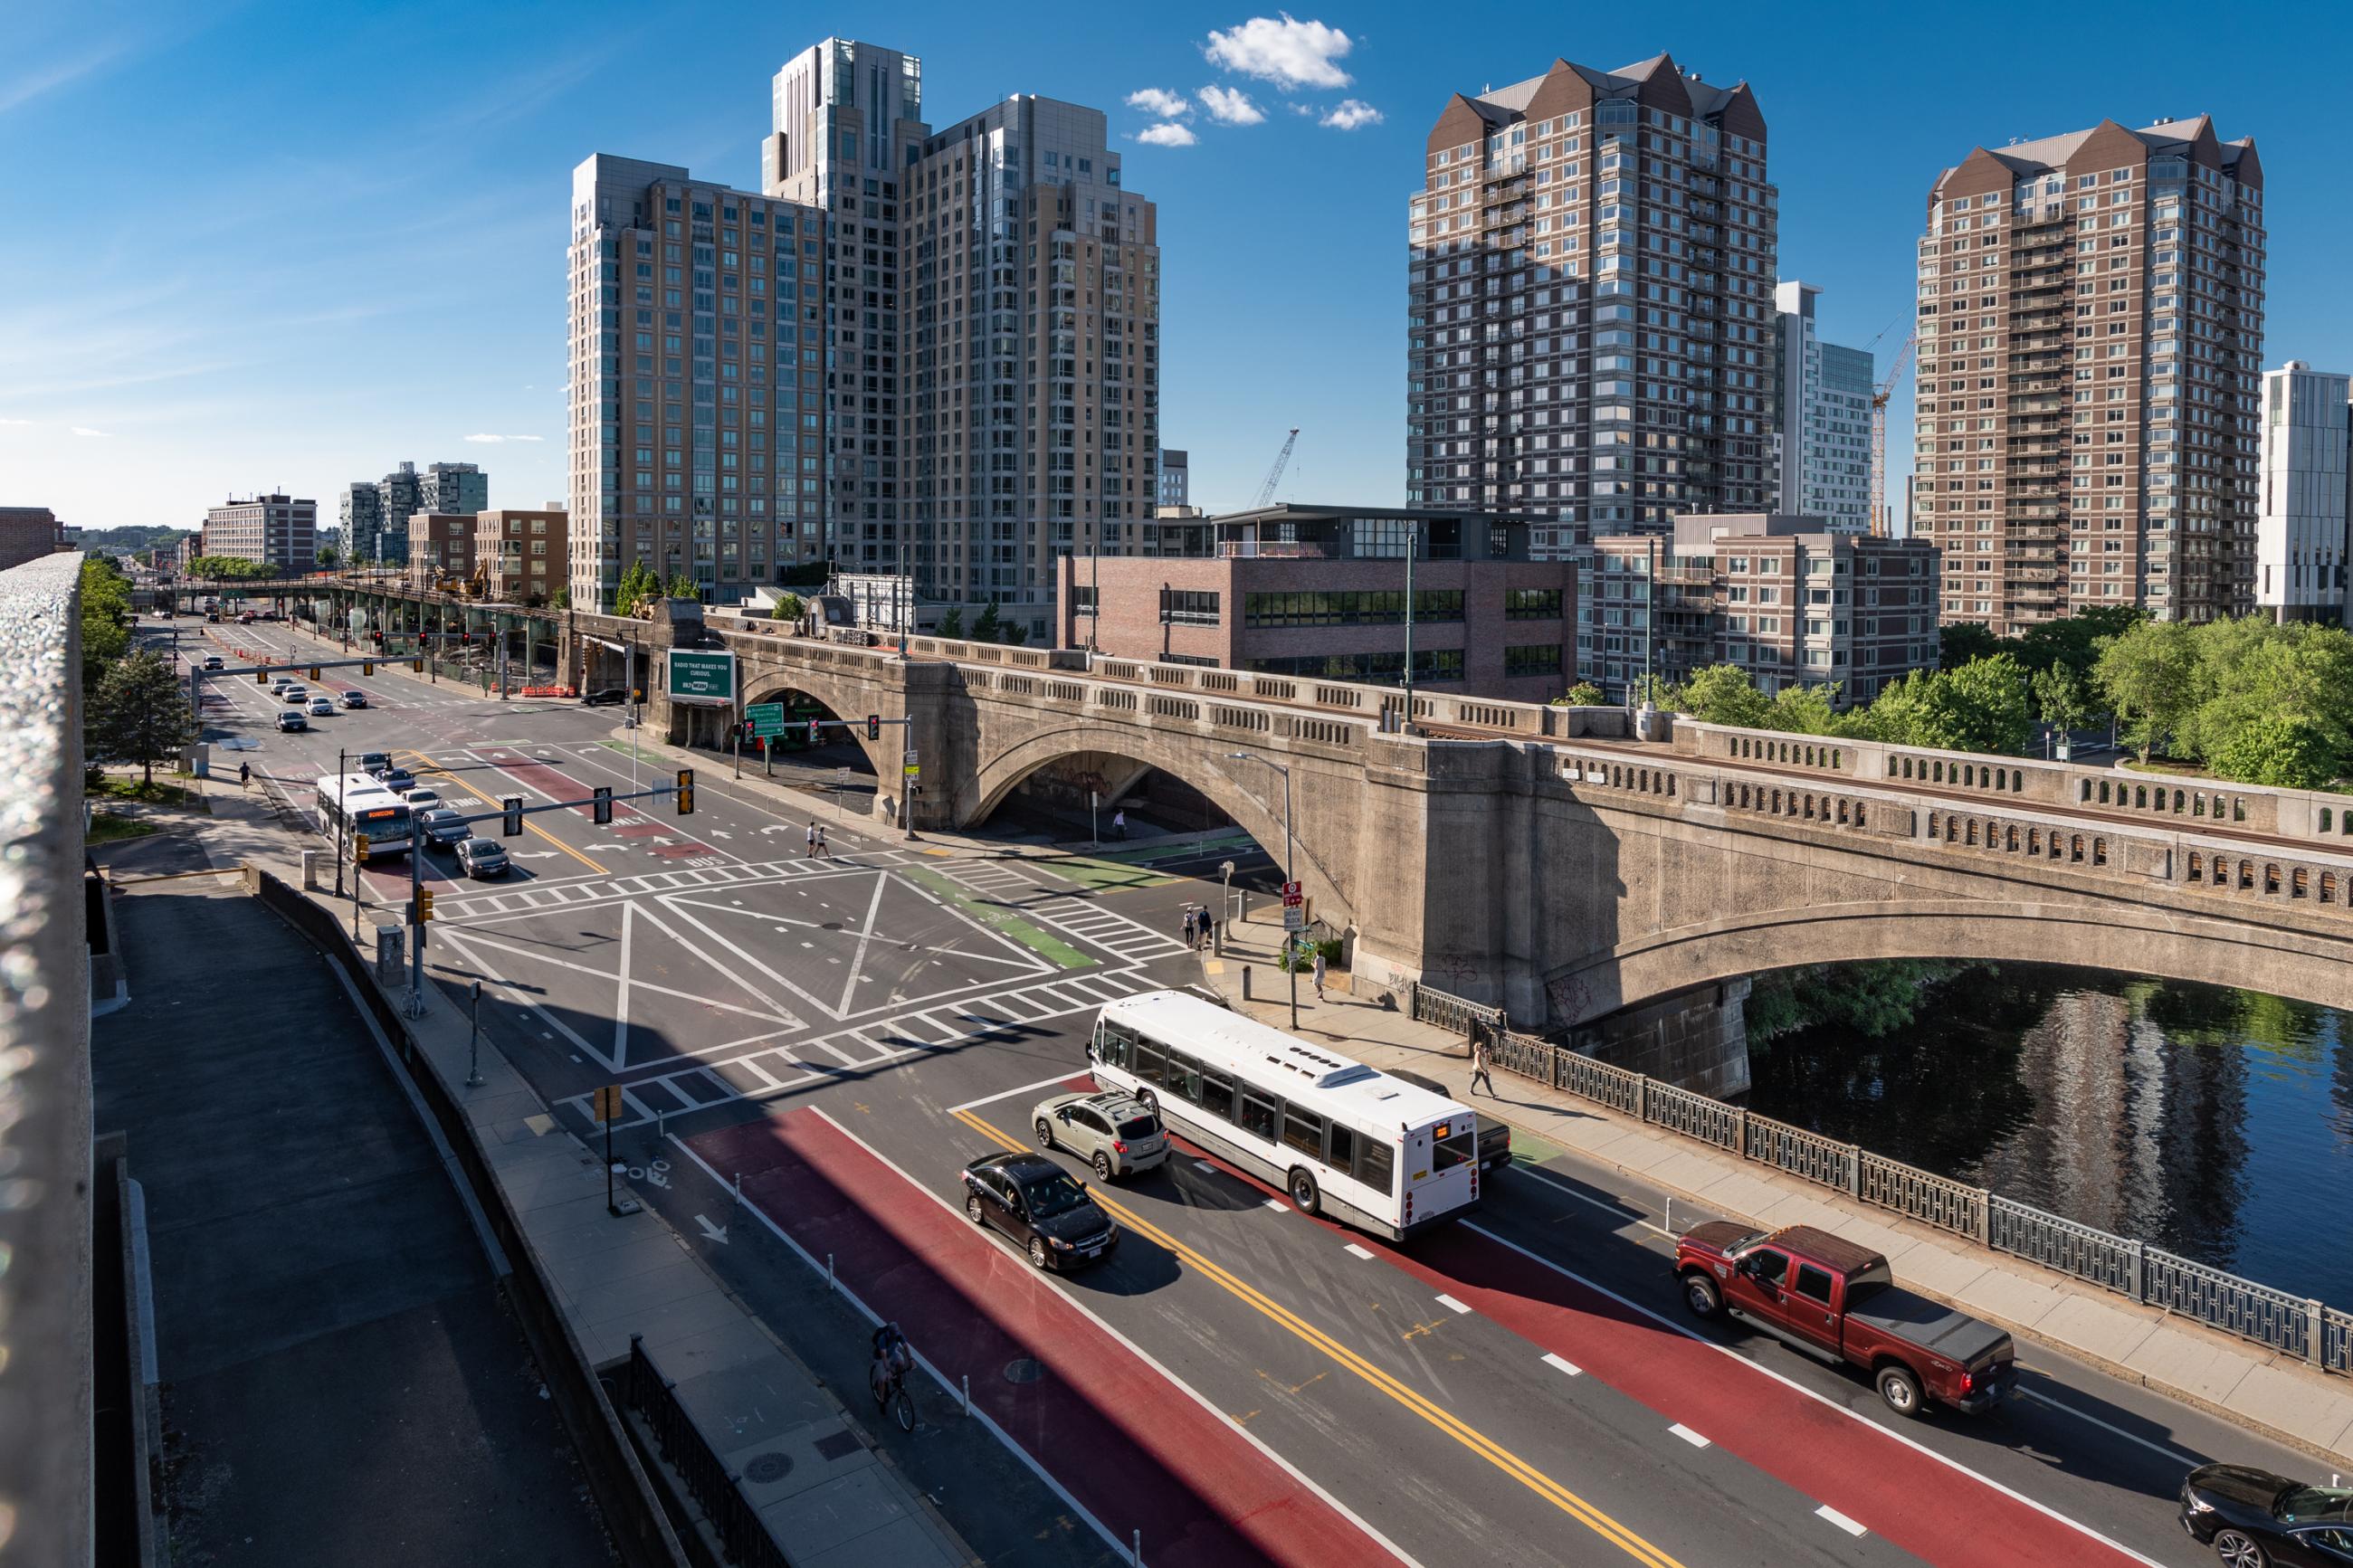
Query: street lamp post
{"x": 1290, "y": 856}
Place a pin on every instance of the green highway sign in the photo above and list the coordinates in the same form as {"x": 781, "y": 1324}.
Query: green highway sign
{"x": 767, "y": 719}
{"x": 702, "y": 677}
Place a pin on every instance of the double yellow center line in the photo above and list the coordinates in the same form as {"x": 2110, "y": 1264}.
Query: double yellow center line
{"x": 427, "y": 764}
{"x": 1511, "y": 1463}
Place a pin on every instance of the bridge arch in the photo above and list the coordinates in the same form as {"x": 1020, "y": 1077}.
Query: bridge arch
{"x": 842, "y": 700}
{"x": 1248, "y": 793}
{"x": 2127, "y": 937}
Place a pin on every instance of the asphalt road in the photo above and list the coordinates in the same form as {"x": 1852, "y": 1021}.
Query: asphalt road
{"x": 1520, "y": 1389}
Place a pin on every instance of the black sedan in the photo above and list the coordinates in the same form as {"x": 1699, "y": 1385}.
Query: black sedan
{"x": 1036, "y": 1201}
{"x": 2253, "y": 1518}
{"x": 610, "y": 697}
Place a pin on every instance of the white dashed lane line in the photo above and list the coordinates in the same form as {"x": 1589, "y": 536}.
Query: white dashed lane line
{"x": 1355, "y": 1251}
{"x": 1568, "y": 1367}
{"x": 1688, "y": 1435}
{"x": 1835, "y": 1516}
{"x": 1451, "y": 1305}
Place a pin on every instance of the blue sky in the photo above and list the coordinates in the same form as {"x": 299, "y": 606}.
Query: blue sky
{"x": 274, "y": 244}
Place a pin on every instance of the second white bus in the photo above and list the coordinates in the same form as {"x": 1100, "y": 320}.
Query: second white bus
{"x": 1342, "y": 1138}
{"x": 352, "y": 804}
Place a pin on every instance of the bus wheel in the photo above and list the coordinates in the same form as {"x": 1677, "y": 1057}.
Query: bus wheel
{"x": 1149, "y": 1101}
{"x": 1302, "y": 1191}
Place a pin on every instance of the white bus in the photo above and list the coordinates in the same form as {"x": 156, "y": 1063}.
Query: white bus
{"x": 352, "y": 803}
{"x": 1344, "y": 1139}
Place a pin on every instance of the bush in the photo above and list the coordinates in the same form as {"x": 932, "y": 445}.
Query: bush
{"x": 1584, "y": 694}
{"x": 2281, "y": 750}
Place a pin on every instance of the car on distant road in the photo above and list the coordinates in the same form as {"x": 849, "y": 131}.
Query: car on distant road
{"x": 422, "y": 798}
{"x": 293, "y": 719}
{"x": 278, "y": 684}
{"x": 354, "y": 698}
{"x": 1835, "y": 1300}
{"x": 482, "y": 857}
{"x": 2252, "y": 1517}
{"x": 399, "y": 781}
{"x": 605, "y": 697}
{"x": 213, "y": 661}
{"x": 441, "y": 825}
{"x": 323, "y": 707}
{"x": 296, "y": 695}
{"x": 374, "y": 764}
{"x": 1494, "y": 1137}
{"x": 1036, "y": 1202}
{"x": 1116, "y": 1133}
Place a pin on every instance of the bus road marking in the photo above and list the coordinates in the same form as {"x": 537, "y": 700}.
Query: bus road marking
{"x": 1567, "y": 1367}
{"x": 1355, "y": 1251}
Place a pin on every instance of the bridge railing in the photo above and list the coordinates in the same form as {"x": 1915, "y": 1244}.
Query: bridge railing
{"x": 2291, "y": 1325}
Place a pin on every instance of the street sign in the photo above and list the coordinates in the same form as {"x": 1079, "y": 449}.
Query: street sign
{"x": 1292, "y": 895}
{"x": 1294, "y": 917}
{"x": 609, "y": 1102}
{"x": 913, "y": 770}
{"x": 703, "y": 678}
{"x": 767, "y": 719}
{"x": 909, "y": 755}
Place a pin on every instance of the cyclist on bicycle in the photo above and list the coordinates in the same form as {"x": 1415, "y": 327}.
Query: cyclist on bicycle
{"x": 892, "y": 1359}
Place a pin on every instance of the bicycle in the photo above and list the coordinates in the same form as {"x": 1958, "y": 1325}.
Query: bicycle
{"x": 893, "y": 1398}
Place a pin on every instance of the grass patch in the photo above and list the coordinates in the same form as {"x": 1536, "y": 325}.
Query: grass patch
{"x": 105, "y": 827}
{"x": 1000, "y": 918}
{"x": 111, "y": 786}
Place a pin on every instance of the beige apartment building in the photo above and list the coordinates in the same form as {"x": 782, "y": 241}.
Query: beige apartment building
{"x": 1790, "y": 599}
{"x": 521, "y": 554}
{"x": 275, "y": 529}
{"x": 2091, "y": 317}
{"x": 1591, "y": 321}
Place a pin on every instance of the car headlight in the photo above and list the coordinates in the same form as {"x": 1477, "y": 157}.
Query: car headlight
{"x": 1057, "y": 1243}
{"x": 2196, "y": 1504}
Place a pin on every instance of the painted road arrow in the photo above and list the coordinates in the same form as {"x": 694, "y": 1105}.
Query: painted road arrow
{"x": 711, "y": 1232}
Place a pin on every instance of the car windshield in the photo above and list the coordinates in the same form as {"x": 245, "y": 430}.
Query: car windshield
{"x": 2304, "y": 1505}
{"x": 1051, "y": 1196}
{"x": 440, "y": 818}
{"x": 1138, "y": 1127}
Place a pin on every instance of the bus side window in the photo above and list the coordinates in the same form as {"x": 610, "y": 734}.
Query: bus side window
{"x": 1303, "y": 1130}
{"x": 1258, "y": 1115}
{"x": 1113, "y": 1045}
{"x": 1376, "y": 1164}
{"x": 1218, "y": 1094}
{"x": 1149, "y": 1061}
{"x": 1184, "y": 1076}
{"x": 1343, "y": 1144}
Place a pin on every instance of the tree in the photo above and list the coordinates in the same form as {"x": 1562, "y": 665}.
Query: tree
{"x": 984, "y": 628}
{"x": 563, "y": 600}
{"x": 1980, "y": 707}
{"x": 2279, "y": 749}
{"x": 2147, "y": 673}
{"x": 1804, "y": 710}
{"x": 1584, "y": 694}
{"x": 2061, "y": 698}
{"x": 105, "y": 606}
{"x": 788, "y": 607}
{"x": 1723, "y": 694}
{"x": 1965, "y": 642}
{"x": 952, "y": 623}
{"x": 140, "y": 714}
{"x": 637, "y": 585}
{"x": 326, "y": 556}
{"x": 230, "y": 566}
{"x": 683, "y": 586}
{"x": 1013, "y": 632}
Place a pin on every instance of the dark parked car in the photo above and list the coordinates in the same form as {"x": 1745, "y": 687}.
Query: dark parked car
{"x": 1039, "y": 1205}
{"x": 610, "y": 696}
{"x": 1494, "y": 1137}
{"x": 2253, "y": 1518}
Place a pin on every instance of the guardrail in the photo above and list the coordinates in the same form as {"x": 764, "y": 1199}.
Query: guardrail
{"x": 2291, "y": 1325}
{"x": 716, "y": 1487}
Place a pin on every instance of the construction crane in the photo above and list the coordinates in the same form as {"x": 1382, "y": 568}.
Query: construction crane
{"x": 1886, "y": 390}
{"x": 1274, "y": 474}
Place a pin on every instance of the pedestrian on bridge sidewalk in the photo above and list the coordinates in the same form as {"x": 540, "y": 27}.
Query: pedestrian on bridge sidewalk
{"x": 1319, "y": 975}
{"x": 1480, "y": 1064}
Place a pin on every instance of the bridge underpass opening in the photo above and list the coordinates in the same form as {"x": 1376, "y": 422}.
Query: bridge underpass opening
{"x": 837, "y": 766}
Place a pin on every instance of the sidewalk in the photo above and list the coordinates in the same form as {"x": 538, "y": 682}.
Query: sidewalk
{"x": 2232, "y": 1378}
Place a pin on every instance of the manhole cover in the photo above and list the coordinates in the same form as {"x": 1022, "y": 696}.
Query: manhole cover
{"x": 767, "y": 1467}
{"x": 1023, "y": 1371}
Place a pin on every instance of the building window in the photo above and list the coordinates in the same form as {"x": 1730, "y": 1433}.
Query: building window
{"x": 1082, "y": 600}
{"x": 1383, "y": 668}
{"x": 1188, "y": 608}
{"x": 1531, "y": 603}
{"x": 1376, "y": 607}
{"x": 1534, "y": 659}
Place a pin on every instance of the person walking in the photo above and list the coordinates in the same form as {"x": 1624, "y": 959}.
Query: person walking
{"x": 1119, "y": 824}
{"x": 1319, "y": 973}
{"x": 1191, "y": 926}
{"x": 1480, "y": 1064}
{"x": 811, "y": 836}
{"x": 1209, "y": 932}
{"x": 824, "y": 847}
{"x": 244, "y": 774}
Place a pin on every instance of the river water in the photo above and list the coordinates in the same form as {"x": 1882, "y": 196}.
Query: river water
{"x": 2215, "y": 1124}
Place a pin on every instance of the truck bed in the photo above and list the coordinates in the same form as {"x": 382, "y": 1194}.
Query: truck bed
{"x": 1940, "y": 1329}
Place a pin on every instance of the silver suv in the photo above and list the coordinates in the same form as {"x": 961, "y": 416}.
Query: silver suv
{"x": 1116, "y": 1133}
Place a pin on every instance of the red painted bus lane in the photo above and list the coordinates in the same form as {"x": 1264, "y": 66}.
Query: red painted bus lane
{"x": 1940, "y": 1514}
{"x": 1134, "y": 1450}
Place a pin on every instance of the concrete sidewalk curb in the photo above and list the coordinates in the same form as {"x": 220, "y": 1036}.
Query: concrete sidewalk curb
{"x": 2284, "y": 1400}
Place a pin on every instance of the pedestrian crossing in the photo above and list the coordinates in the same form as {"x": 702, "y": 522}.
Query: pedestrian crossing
{"x": 544, "y": 895}
{"x": 1085, "y": 919}
{"x": 863, "y": 1048}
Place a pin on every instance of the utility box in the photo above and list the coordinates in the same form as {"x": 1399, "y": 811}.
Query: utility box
{"x": 310, "y": 870}
{"x": 200, "y": 756}
{"x": 390, "y": 957}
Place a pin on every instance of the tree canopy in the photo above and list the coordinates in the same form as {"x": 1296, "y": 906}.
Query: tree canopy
{"x": 140, "y": 714}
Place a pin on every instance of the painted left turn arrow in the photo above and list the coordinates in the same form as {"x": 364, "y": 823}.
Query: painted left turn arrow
{"x": 711, "y": 1232}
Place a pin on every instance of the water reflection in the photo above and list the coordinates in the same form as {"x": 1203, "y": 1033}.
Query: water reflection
{"x": 2212, "y": 1122}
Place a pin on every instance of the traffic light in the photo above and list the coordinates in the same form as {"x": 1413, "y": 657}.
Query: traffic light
{"x": 875, "y": 726}
{"x": 359, "y": 849}
{"x": 604, "y": 811}
{"x": 686, "y": 792}
{"x": 512, "y": 826}
{"x": 424, "y": 906}
{"x": 418, "y": 665}
{"x": 815, "y": 729}
{"x": 367, "y": 667}
{"x": 261, "y": 677}
{"x": 316, "y": 672}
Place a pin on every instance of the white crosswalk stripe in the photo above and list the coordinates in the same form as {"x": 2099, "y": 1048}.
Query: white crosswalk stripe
{"x": 599, "y": 889}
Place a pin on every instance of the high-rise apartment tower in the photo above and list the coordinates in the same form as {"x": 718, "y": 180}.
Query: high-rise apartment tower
{"x": 2091, "y": 313}
{"x": 1590, "y": 326}
{"x": 1825, "y": 406}
{"x": 2300, "y": 526}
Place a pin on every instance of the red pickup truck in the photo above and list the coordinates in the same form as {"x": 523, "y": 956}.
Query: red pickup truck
{"x": 1836, "y": 1301}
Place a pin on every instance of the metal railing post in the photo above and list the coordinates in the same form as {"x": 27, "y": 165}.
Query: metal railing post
{"x": 1985, "y": 1217}
{"x": 1855, "y": 1171}
{"x": 2317, "y": 1323}
{"x": 1641, "y": 1097}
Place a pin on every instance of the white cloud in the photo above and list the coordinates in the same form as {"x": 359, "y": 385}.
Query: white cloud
{"x": 1159, "y": 103}
{"x": 1288, "y": 53}
{"x": 1169, "y": 134}
{"x": 86, "y": 430}
{"x": 493, "y": 440}
{"x": 1350, "y": 113}
{"x": 1230, "y": 106}
{"x": 15, "y": 422}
